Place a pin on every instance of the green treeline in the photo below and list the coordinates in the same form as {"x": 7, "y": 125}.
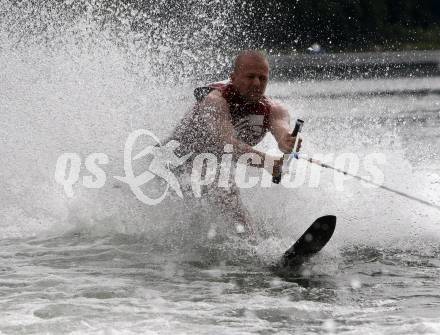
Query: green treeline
{"x": 281, "y": 25}
{"x": 353, "y": 25}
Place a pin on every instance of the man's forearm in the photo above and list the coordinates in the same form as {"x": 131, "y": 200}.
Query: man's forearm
{"x": 241, "y": 148}
{"x": 280, "y": 129}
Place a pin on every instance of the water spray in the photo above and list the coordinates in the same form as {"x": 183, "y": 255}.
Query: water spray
{"x": 299, "y": 156}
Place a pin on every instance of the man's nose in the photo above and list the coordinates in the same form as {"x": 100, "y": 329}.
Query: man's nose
{"x": 256, "y": 81}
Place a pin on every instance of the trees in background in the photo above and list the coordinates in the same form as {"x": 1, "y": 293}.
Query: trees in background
{"x": 343, "y": 24}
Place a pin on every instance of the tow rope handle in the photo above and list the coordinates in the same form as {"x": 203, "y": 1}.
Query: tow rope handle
{"x": 276, "y": 178}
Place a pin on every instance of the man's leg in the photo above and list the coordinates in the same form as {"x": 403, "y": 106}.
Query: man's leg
{"x": 229, "y": 202}
{"x": 226, "y": 199}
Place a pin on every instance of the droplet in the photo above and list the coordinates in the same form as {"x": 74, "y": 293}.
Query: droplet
{"x": 239, "y": 228}
{"x": 212, "y": 233}
{"x": 355, "y": 284}
{"x": 329, "y": 326}
{"x": 306, "y": 273}
{"x": 276, "y": 282}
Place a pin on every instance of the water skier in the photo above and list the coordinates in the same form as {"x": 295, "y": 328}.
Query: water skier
{"x": 238, "y": 113}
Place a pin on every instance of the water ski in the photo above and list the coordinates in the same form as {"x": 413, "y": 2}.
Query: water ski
{"x": 310, "y": 243}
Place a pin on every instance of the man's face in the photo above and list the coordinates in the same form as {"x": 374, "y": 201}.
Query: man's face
{"x": 250, "y": 79}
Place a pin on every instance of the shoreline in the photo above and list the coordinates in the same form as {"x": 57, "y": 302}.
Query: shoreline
{"x": 356, "y": 65}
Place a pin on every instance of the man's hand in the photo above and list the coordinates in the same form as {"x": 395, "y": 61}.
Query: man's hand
{"x": 273, "y": 164}
{"x": 287, "y": 142}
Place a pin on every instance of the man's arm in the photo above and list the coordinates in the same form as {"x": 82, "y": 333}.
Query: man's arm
{"x": 280, "y": 128}
{"x": 216, "y": 105}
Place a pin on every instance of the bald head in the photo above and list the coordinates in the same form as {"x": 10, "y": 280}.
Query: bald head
{"x": 247, "y": 56}
{"x": 250, "y": 74}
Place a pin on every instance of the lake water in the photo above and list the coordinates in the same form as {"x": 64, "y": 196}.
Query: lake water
{"x": 102, "y": 262}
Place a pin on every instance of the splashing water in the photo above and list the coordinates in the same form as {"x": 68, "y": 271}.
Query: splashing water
{"x": 79, "y": 76}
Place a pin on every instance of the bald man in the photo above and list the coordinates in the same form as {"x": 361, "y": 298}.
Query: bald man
{"x": 236, "y": 112}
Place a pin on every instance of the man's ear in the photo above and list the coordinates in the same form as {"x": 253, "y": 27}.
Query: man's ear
{"x": 232, "y": 77}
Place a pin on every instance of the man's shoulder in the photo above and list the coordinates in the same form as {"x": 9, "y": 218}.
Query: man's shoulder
{"x": 214, "y": 97}
{"x": 201, "y": 92}
{"x": 277, "y": 107}
{"x": 274, "y": 104}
